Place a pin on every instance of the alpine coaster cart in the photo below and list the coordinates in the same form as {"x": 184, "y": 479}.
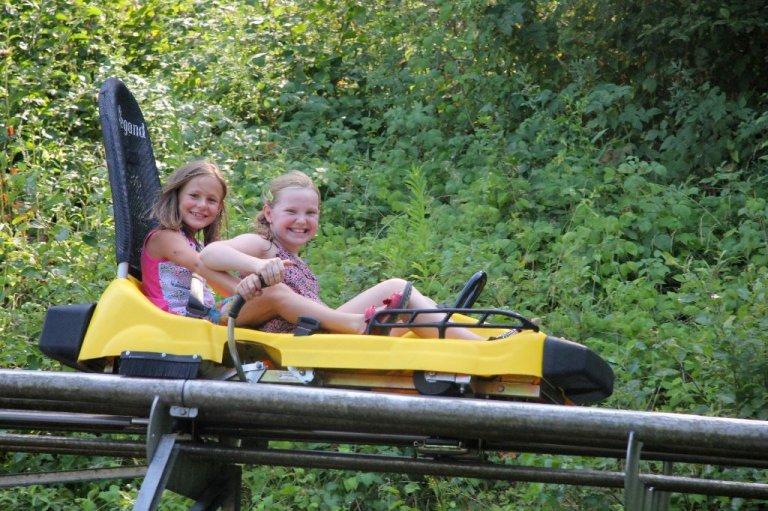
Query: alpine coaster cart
{"x": 125, "y": 334}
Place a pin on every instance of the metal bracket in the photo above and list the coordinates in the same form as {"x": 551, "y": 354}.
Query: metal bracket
{"x": 461, "y": 379}
{"x": 440, "y": 446}
{"x": 160, "y": 423}
{"x": 254, "y": 371}
{"x": 464, "y": 381}
{"x": 183, "y": 412}
{"x": 303, "y": 375}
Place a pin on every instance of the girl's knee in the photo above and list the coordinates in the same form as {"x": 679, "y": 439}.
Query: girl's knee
{"x": 282, "y": 296}
{"x": 395, "y": 284}
{"x": 276, "y": 290}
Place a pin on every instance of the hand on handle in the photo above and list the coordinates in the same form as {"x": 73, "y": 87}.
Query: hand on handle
{"x": 249, "y": 287}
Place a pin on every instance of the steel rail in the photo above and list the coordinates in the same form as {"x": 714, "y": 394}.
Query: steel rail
{"x": 72, "y": 405}
{"x": 401, "y": 414}
{"x": 692, "y": 456}
{"x": 72, "y": 476}
{"x": 40, "y": 417}
{"x": 254, "y": 414}
{"x": 351, "y": 461}
{"x": 14, "y": 442}
{"x": 404, "y": 465}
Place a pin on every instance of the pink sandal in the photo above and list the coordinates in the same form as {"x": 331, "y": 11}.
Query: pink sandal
{"x": 397, "y": 300}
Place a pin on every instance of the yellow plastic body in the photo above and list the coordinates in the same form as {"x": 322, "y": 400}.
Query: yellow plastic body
{"x": 125, "y": 320}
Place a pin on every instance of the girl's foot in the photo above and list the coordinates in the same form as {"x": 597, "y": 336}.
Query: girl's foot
{"x": 395, "y": 301}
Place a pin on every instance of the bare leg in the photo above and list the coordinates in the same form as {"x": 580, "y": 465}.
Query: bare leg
{"x": 380, "y": 292}
{"x": 375, "y": 296}
{"x": 280, "y": 300}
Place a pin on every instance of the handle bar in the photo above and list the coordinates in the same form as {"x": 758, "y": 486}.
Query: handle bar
{"x": 237, "y": 304}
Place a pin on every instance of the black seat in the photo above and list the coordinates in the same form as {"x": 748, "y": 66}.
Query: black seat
{"x": 135, "y": 185}
{"x": 132, "y": 172}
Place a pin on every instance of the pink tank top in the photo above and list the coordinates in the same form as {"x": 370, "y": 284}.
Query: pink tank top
{"x": 167, "y": 284}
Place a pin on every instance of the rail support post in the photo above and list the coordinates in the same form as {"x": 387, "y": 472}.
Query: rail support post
{"x": 661, "y": 498}
{"x": 158, "y": 473}
{"x": 634, "y": 493}
{"x": 213, "y": 485}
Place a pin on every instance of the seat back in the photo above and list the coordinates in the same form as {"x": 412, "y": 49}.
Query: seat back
{"x": 132, "y": 172}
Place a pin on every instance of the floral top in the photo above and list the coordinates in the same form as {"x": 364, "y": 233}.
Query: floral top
{"x": 299, "y": 278}
{"x": 167, "y": 284}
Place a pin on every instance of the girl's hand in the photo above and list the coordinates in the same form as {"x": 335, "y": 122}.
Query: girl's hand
{"x": 273, "y": 270}
{"x": 249, "y": 286}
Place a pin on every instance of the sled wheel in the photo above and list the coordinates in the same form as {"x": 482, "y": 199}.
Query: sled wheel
{"x": 431, "y": 388}
{"x": 471, "y": 291}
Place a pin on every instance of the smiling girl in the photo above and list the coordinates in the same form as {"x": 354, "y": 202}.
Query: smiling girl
{"x": 288, "y": 221}
{"x": 191, "y": 206}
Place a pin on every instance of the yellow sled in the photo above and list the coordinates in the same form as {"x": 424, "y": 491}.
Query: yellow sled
{"x": 124, "y": 333}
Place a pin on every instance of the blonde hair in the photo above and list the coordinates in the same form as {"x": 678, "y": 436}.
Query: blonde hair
{"x": 166, "y": 208}
{"x": 292, "y": 179}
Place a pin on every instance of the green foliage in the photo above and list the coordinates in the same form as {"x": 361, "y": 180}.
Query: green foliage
{"x": 719, "y": 42}
{"x": 604, "y": 161}
{"x": 693, "y": 70}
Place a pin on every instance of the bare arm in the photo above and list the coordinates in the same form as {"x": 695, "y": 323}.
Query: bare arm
{"x": 246, "y": 254}
{"x": 221, "y": 281}
{"x": 171, "y": 245}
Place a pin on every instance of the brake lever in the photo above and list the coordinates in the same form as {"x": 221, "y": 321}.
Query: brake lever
{"x": 239, "y": 301}
{"x": 237, "y": 304}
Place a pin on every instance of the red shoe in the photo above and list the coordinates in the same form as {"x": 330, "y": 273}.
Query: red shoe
{"x": 397, "y": 300}
{"x": 372, "y": 329}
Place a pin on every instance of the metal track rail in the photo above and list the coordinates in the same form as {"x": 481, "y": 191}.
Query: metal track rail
{"x": 216, "y": 426}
